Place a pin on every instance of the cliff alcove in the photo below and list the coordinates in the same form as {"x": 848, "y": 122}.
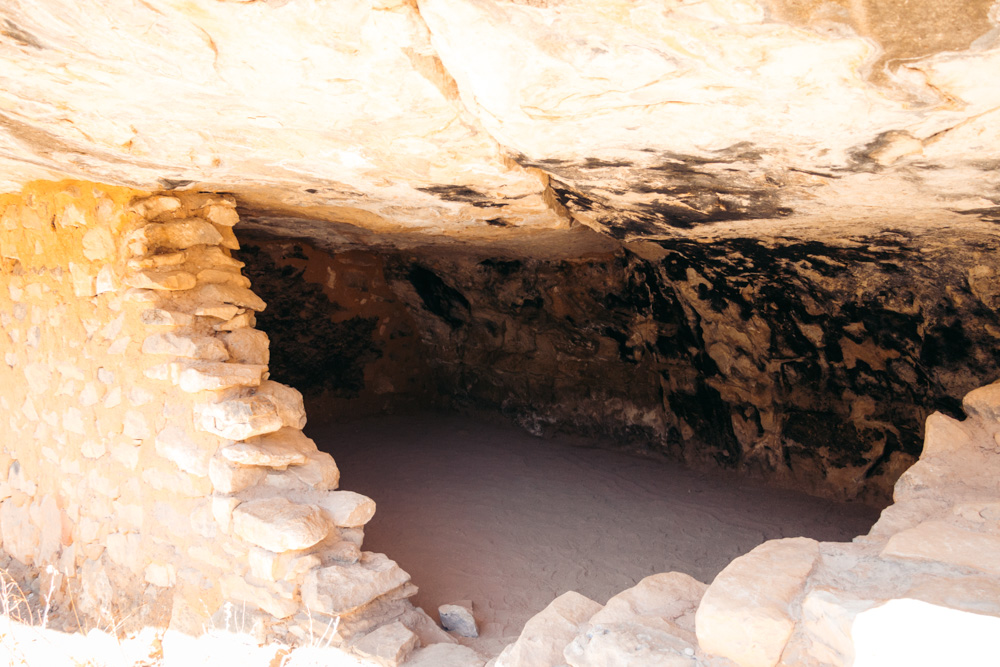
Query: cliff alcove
{"x": 755, "y": 239}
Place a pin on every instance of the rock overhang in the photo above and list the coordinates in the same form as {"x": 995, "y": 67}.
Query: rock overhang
{"x": 481, "y": 120}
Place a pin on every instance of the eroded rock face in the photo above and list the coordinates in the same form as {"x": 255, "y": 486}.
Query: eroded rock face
{"x": 813, "y": 362}
{"x": 468, "y": 117}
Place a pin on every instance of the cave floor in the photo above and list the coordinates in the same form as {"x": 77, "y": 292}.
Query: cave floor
{"x": 476, "y": 510}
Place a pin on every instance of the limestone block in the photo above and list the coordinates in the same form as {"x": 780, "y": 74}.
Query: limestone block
{"x": 221, "y": 277}
{"x": 173, "y": 235}
{"x": 222, "y": 511}
{"x": 279, "y": 525}
{"x": 157, "y": 317}
{"x": 241, "y": 321}
{"x": 174, "y": 444}
{"x": 192, "y": 347}
{"x": 445, "y": 655}
{"x": 212, "y": 257}
{"x": 287, "y": 401}
{"x": 98, "y": 245}
{"x": 239, "y": 418}
{"x": 944, "y": 542}
{"x": 389, "y": 645}
{"x": 983, "y": 402}
{"x": 237, "y": 296}
{"x": 248, "y": 346}
{"x": 274, "y": 450}
{"x": 215, "y": 376}
{"x": 229, "y": 478}
{"x": 458, "y": 618}
{"x": 827, "y": 617}
{"x": 220, "y": 214}
{"x": 547, "y": 633}
{"x": 338, "y": 589}
{"x": 318, "y": 473}
{"x": 746, "y": 614}
{"x": 167, "y": 281}
{"x": 158, "y": 261}
{"x": 236, "y": 588}
{"x": 219, "y": 312}
{"x": 666, "y": 602}
{"x": 155, "y": 206}
{"x": 228, "y": 237}
{"x": 346, "y": 509}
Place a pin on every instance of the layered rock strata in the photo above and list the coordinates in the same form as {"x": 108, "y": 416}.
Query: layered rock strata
{"x": 920, "y": 588}
{"x": 148, "y": 462}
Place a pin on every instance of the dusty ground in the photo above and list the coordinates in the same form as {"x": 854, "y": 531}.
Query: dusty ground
{"x": 489, "y": 513}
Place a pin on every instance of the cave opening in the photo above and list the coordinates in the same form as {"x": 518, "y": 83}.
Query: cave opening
{"x": 571, "y": 412}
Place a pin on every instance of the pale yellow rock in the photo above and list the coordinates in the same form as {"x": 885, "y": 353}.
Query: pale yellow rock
{"x": 220, "y": 214}
{"x": 98, "y": 245}
{"x": 173, "y": 235}
{"x": 241, "y": 321}
{"x": 174, "y": 444}
{"x": 160, "y": 261}
{"x": 389, "y": 645}
{"x": 222, "y": 511}
{"x": 827, "y": 617}
{"x": 942, "y": 435}
{"x": 161, "y": 280}
{"x": 984, "y": 403}
{"x": 338, "y": 589}
{"x": 190, "y": 346}
{"x": 166, "y": 318}
{"x": 746, "y": 613}
{"x": 229, "y": 478}
{"x": 220, "y": 277}
{"x": 212, "y": 257}
{"x": 223, "y": 312}
{"x": 155, "y": 206}
{"x": 346, "y": 509}
{"x": 944, "y": 542}
{"x": 215, "y": 376}
{"x": 546, "y": 634}
{"x": 236, "y": 588}
{"x": 287, "y": 401}
{"x": 239, "y": 418}
{"x": 278, "y": 525}
{"x": 265, "y": 451}
{"x": 248, "y": 346}
{"x": 237, "y": 296}
{"x": 318, "y": 473}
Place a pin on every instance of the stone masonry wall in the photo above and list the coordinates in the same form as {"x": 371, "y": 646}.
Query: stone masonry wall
{"x": 150, "y": 472}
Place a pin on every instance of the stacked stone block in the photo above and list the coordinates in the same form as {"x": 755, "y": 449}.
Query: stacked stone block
{"x": 146, "y": 456}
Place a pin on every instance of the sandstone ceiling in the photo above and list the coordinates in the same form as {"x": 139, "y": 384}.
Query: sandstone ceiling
{"x": 474, "y": 117}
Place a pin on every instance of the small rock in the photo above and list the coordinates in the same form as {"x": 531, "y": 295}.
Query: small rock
{"x": 151, "y": 207}
{"x": 458, "y": 618}
{"x": 388, "y": 645}
{"x": 347, "y": 509}
{"x": 248, "y": 346}
{"x": 220, "y": 214}
{"x": 192, "y": 347}
{"x": 278, "y": 525}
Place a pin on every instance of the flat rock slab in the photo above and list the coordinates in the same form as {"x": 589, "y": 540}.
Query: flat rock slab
{"x": 746, "y": 614}
{"x": 943, "y": 542}
{"x": 338, "y": 589}
{"x": 546, "y": 634}
{"x": 279, "y": 525}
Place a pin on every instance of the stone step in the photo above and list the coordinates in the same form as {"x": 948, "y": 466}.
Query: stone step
{"x": 278, "y": 525}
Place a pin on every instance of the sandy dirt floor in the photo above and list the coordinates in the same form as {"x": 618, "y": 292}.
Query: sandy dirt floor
{"x": 484, "y": 512}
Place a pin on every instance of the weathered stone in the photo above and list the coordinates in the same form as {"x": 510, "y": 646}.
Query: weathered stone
{"x": 458, "y": 618}
{"x": 666, "y": 602}
{"x": 174, "y": 444}
{"x": 984, "y": 402}
{"x": 745, "y": 615}
{"x": 169, "y": 281}
{"x": 248, "y": 346}
{"x": 173, "y": 235}
{"x": 240, "y": 321}
{"x": 158, "y": 261}
{"x": 239, "y": 418}
{"x": 272, "y": 451}
{"x": 346, "y": 509}
{"x": 278, "y": 525}
{"x": 214, "y": 376}
{"x": 389, "y": 645}
{"x": 219, "y": 312}
{"x": 547, "y": 633}
{"x": 192, "y": 347}
{"x": 98, "y": 245}
{"x": 165, "y": 318}
{"x": 237, "y": 296}
{"x": 287, "y": 401}
{"x": 827, "y": 617}
{"x": 339, "y": 589}
{"x": 221, "y": 277}
{"x": 236, "y": 588}
{"x": 155, "y": 206}
{"x": 944, "y": 542}
{"x": 229, "y": 478}
{"x": 220, "y": 214}
{"x": 222, "y": 510}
